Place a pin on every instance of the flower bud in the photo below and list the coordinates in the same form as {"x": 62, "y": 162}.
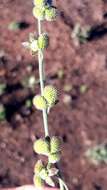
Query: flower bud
{"x": 38, "y": 167}
{"x": 53, "y": 158}
{"x": 40, "y": 3}
{"x": 55, "y": 144}
{"x": 33, "y": 46}
{"x": 50, "y": 94}
{"x": 39, "y": 13}
{"x": 41, "y": 147}
{"x": 38, "y": 182}
{"x": 43, "y": 41}
{"x": 39, "y": 102}
{"x": 51, "y": 13}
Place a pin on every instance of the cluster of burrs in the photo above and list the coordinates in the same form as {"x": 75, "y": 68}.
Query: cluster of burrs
{"x": 43, "y": 10}
{"x": 50, "y": 147}
{"x": 47, "y": 100}
{"x": 35, "y": 44}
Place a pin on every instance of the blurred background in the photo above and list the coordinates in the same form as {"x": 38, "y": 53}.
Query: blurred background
{"x": 76, "y": 63}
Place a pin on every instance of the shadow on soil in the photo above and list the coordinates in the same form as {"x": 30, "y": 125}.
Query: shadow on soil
{"x": 98, "y": 32}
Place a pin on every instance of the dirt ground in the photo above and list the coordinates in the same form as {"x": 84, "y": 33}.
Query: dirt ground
{"x": 79, "y": 118}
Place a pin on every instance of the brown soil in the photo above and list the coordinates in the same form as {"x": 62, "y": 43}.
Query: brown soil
{"x": 81, "y": 123}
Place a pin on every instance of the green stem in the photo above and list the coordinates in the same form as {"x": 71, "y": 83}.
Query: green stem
{"x": 40, "y": 59}
{"x": 41, "y": 75}
{"x": 39, "y": 27}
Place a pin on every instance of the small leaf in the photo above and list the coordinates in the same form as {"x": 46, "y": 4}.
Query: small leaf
{"x": 25, "y": 44}
{"x": 43, "y": 174}
{"x": 38, "y": 167}
{"x": 14, "y": 25}
{"x": 38, "y": 182}
{"x": 54, "y": 158}
{"x": 53, "y": 171}
{"x": 50, "y": 182}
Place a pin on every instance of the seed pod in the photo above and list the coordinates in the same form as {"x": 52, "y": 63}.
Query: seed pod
{"x": 38, "y": 182}
{"x": 43, "y": 41}
{"x": 40, "y": 3}
{"x": 55, "y": 144}
{"x": 38, "y": 167}
{"x": 39, "y": 13}
{"x": 34, "y": 46}
{"x": 50, "y": 94}
{"x": 39, "y": 102}
{"x": 53, "y": 158}
{"x": 51, "y": 13}
{"x": 41, "y": 147}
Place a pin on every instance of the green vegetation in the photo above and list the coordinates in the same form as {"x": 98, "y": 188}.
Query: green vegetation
{"x": 97, "y": 154}
{"x": 80, "y": 34}
{"x": 2, "y": 112}
{"x": 45, "y": 100}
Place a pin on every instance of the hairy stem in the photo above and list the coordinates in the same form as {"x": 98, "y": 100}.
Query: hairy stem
{"x": 41, "y": 76}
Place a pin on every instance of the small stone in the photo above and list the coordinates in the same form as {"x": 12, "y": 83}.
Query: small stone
{"x": 67, "y": 99}
{"x": 67, "y": 87}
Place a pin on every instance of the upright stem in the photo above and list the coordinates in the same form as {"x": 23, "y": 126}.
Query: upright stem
{"x": 39, "y": 27}
{"x": 41, "y": 76}
{"x": 40, "y": 59}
